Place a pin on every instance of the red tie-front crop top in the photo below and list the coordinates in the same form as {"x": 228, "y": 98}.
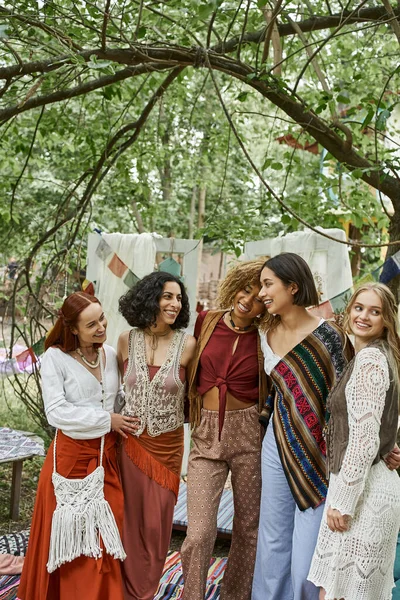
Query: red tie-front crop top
{"x": 235, "y": 373}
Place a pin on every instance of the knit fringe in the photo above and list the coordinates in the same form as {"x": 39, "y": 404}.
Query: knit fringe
{"x": 195, "y": 410}
{"x": 150, "y": 466}
{"x": 75, "y": 534}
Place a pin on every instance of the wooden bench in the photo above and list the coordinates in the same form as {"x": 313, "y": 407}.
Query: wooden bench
{"x": 17, "y": 459}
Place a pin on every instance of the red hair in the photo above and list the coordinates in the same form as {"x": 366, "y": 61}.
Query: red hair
{"x": 61, "y": 335}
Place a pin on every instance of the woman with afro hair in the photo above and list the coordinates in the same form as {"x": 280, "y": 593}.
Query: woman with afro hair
{"x": 153, "y": 357}
{"x": 227, "y": 388}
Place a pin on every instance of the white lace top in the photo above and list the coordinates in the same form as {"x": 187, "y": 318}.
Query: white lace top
{"x": 358, "y": 564}
{"x": 157, "y": 403}
{"x": 365, "y": 398}
{"x": 72, "y": 395}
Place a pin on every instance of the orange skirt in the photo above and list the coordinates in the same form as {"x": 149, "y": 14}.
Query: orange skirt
{"x": 160, "y": 457}
{"x": 83, "y": 577}
{"x": 150, "y": 470}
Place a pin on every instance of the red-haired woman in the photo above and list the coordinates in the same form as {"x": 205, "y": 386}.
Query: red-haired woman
{"x": 80, "y": 382}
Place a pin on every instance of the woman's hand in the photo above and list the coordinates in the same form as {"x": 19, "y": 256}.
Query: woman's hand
{"x": 336, "y": 521}
{"x": 392, "y": 459}
{"x": 121, "y": 423}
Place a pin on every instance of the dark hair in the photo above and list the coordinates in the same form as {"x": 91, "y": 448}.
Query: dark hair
{"x": 141, "y": 305}
{"x": 291, "y": 268}
{"x": 61, "y": 334}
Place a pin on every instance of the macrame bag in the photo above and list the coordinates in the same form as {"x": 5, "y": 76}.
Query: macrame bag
{"x": 82, "y": 515}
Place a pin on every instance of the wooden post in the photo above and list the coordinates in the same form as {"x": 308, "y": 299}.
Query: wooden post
{"x": 16, "y": 489}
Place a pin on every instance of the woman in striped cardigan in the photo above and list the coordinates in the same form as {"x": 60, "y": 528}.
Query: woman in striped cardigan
{"x": 304, "y": 356}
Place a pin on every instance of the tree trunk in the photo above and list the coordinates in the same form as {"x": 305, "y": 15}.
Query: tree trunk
{"x": 138, "y": 217}
{"x": 202, "y": 205}
{"x": 355, "y": 234}
{"x": 394, "y": 235}
{"x": 192, "y": 213}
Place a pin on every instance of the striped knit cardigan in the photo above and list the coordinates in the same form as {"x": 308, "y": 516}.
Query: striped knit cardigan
{"x": 302, "y": 380}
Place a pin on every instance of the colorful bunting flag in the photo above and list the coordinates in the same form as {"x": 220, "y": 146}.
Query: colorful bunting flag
{"x": 130, "y": 279}
{"x": 389, "y": 271}
{"x": 324, "y": 310}
{"x": 88, "y": 287}
{"x": 38, "y": 347}
{"x": 376, "y": 273}
{"x": 103, "y": 250}
{"x": 171, "y": 266}
{"x": 365, "y": 279}
{"x": 391, "y": 268}
{"x": 340, "y": 301}
{"x": 26, "y": 358}
{"x": 116, "y": 266}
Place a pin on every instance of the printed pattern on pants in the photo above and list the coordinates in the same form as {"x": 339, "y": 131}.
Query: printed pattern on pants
{"x": 209, "y": 464}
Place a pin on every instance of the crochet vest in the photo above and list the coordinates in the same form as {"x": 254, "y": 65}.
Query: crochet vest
{"x": 337, "y": 433}
{"x": 157, "y": 403}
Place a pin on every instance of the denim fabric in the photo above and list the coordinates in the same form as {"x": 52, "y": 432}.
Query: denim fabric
{"x": 286, "y": 536}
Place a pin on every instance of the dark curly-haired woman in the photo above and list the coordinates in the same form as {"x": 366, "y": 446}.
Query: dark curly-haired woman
{"x": 153, "y": 357}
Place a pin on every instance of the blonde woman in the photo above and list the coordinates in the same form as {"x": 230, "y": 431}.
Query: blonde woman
{"x": 356, "y": 546}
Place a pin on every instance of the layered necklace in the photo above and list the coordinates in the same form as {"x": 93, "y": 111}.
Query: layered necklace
{"x": 236, "y": 327}
{"x": 92, "y": 364}
{"x": 153, "y": 342}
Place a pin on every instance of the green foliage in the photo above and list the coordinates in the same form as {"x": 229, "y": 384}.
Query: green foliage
{"x": 186, "y": 141}
{"x": 49, "y": 155}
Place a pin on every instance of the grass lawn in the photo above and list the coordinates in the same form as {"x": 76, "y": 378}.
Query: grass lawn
{"x": 14, "y": 414}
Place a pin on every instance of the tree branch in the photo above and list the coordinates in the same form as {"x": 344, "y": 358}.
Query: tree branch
{"x": 14, "y": 187}
{"x": 270, "y": 18}
{"x": 104, "y": 28}
{"x": 79, "y": 90}
{"x": 394, "y": 23}
{"x": 361, "y": 15}
{"x": 59, "y": 35}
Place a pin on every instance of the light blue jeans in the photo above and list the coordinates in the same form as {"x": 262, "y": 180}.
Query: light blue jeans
{"x": 287, "y": 536}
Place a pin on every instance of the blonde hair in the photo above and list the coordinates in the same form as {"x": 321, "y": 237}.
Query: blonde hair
{"x": 390, "y": 322}
{"x": 239, "y": 276}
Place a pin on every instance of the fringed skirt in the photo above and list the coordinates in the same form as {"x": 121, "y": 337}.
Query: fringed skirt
{"x": 150, "y": 471}
{"x": 84, "y": 577}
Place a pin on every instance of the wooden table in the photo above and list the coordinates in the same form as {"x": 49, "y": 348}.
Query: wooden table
{"x": 17, "y": 463}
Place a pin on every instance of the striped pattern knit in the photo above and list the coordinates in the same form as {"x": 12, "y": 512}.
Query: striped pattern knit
{"x": 302, "y": 380}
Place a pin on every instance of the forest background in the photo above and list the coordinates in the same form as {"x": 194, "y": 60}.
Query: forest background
{"x": 227, "y": 121}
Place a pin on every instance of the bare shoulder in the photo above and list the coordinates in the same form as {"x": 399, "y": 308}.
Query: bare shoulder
{"x": 189, "y": 350}
{"x": 123, "y": 344}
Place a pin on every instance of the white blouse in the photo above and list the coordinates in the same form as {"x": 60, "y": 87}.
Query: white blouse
{"x": 270, "y": 358}
{"x": 72, "y": 395}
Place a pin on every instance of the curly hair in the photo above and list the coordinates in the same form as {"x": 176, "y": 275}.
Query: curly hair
{"x": 239, "y": 276}
{"x": 140, "y": 306}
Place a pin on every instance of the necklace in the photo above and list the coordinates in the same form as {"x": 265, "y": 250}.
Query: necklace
{"x": 153, "y": 342}
{"x": 236, "y": 327}
{"x": 92, "y": 364}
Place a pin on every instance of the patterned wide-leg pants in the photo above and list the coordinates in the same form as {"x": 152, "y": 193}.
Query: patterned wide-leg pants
{"x": 209, "y": 464}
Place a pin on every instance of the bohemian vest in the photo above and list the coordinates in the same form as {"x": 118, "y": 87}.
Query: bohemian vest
{"x": 337, "y": 435}
{"x": 157, "y": 403}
